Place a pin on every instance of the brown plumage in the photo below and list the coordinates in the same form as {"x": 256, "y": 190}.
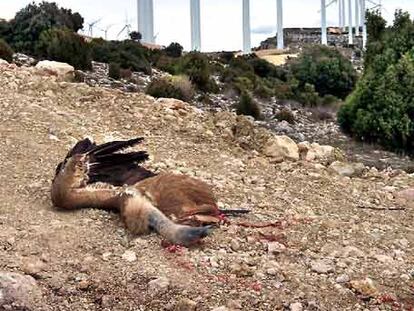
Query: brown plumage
{"x": 97, "y": 176}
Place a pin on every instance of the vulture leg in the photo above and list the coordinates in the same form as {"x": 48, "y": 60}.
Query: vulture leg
{"x": 141, "y": 216}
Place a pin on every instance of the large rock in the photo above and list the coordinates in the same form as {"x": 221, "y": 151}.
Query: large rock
{"x": 3, "y": 62}
{"x": 17, "y": 290}
{"x": 64, "y": 71}
{"x": 405, "y": 197}
{"x": 281, "y": 147}
{"x": 318, "y": 153}
{"x": 347, "y": 169}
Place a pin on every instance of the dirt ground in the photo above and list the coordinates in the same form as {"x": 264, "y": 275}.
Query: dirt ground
{"x": 336, "y": 244}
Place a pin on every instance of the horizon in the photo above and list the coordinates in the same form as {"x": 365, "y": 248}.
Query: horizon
{"x": 221, "y": 28}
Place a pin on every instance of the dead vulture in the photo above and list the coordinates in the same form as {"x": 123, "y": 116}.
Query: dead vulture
{"x": 101, "y": 176}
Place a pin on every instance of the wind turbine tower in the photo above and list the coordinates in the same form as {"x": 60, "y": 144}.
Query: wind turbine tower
{"x": 357, "y": 18}
{"x": 323, "y": 23}
{"x": 146, "y": 20}
{"x": 246, "y": 27}
{"x": 350, "y": 28}
{"x": 195, "y": 25}
{"x": 280, "y": 34}
{"x": 364, "y": 24}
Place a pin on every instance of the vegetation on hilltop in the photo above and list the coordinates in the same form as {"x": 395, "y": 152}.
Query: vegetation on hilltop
{"x": 381, "y": 109}
{"x": 47, "y": 31}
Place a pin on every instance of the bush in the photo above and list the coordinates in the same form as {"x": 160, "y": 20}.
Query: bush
{"x": 114, "y": 71}
{"x": 263, "y": 68}
{"x": 381, "y": 109}
{"x": 196, "y": 66}
{"x": 128, "y": 54}
{"x": 247, "y": 106}
{"x": 184, "y": 85}
{"x": 174, "y": 50}
{"x": 125, "y": 74}
{"x": 30, "y": 22}
{"x": 285, "y": 115}
{"x": 6, "y": 51}
{"x": 175, "y": 87}
{"x": 64, "y": 46}
{"x": 326, "y": 69}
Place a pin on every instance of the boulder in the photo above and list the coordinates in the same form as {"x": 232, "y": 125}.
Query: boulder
{"x": 3, "y": 62}
{"x": 281, "y": 147}
{"x": 63, "y": 71}
{"x": 347, "y": 169}
{"x": 172, "y": 103}
{"x": 319, "y": 153}
{"x": 18, "y": 290}
{"x": 405, "y": 197}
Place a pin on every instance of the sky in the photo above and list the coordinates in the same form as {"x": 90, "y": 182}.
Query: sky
{"x": 221, "y": 20}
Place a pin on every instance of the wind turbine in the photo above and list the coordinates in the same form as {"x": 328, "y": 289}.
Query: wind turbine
{"x": 323, "y": 23}
{"x": 126, "y": 27}
{"x": 106, "y": 29}
{"x": 246, "y": 27}
{"x": 195, "y": 25}
{"x": 92, "y": 25}
{"x": 350, "y": 27}
{"x": 280, "y": 34}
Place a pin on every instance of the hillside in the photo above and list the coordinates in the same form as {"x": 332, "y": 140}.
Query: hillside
{"x": 337, "y": 243}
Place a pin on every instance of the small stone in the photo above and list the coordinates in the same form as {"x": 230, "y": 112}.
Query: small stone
{"x": 18, "y": 289}
{"x": 106, "y": 256}
{"x": 347, "y": 169}
{"x": 129, "y": 256}
{"x": 365, "y": 287}
{"x": 222, "y": 308}
{"x": 159, "y": 285}
{"x": 405, "y": 197}
{"x": 186, "y": 304}
{"x": 275, "y": 248}
{"x": 383, "y": 258}
{"x": 235, "y": 245}
{"x": 234, "y": 305}
{"x": 296, "y": 306}
{"x": 322, "y": 266}
{"x": 33, "y": 267}
{"x": 343, "y": 278}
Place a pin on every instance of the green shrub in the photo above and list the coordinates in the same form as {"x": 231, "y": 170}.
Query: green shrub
{"x": 263, "y": 91}
{"x": 6, "y": 51}
{"x": 128, "y": 54}
{"x": 247, "y": 106}
{"x": 174, "y": 50}
{"x": 326, "y": 69}
{"x": 285, "y": 115}
{"x": 178, "y": 87}
{"x": 381, "y": 109}
{"x": 30, "y": 22}
{"x": 263, "y": 68}
{"x": 243, "y": 85}
{"x": 196, "y": 66}
{"x": 64, "y": 46}
{"x": 114, "y": 71}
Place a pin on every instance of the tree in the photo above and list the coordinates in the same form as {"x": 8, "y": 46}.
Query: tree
{"x": 135, "y": 36}
{"x": 65, "y": 46}
{"x": 32, "y": 20}
{"x": 174, "y": 50}
{"x": 381, "y": 109}
{"x": 326, "y": 69}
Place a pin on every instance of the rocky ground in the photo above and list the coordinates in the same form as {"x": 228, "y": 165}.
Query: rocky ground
{"x": 333, "y": 242}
